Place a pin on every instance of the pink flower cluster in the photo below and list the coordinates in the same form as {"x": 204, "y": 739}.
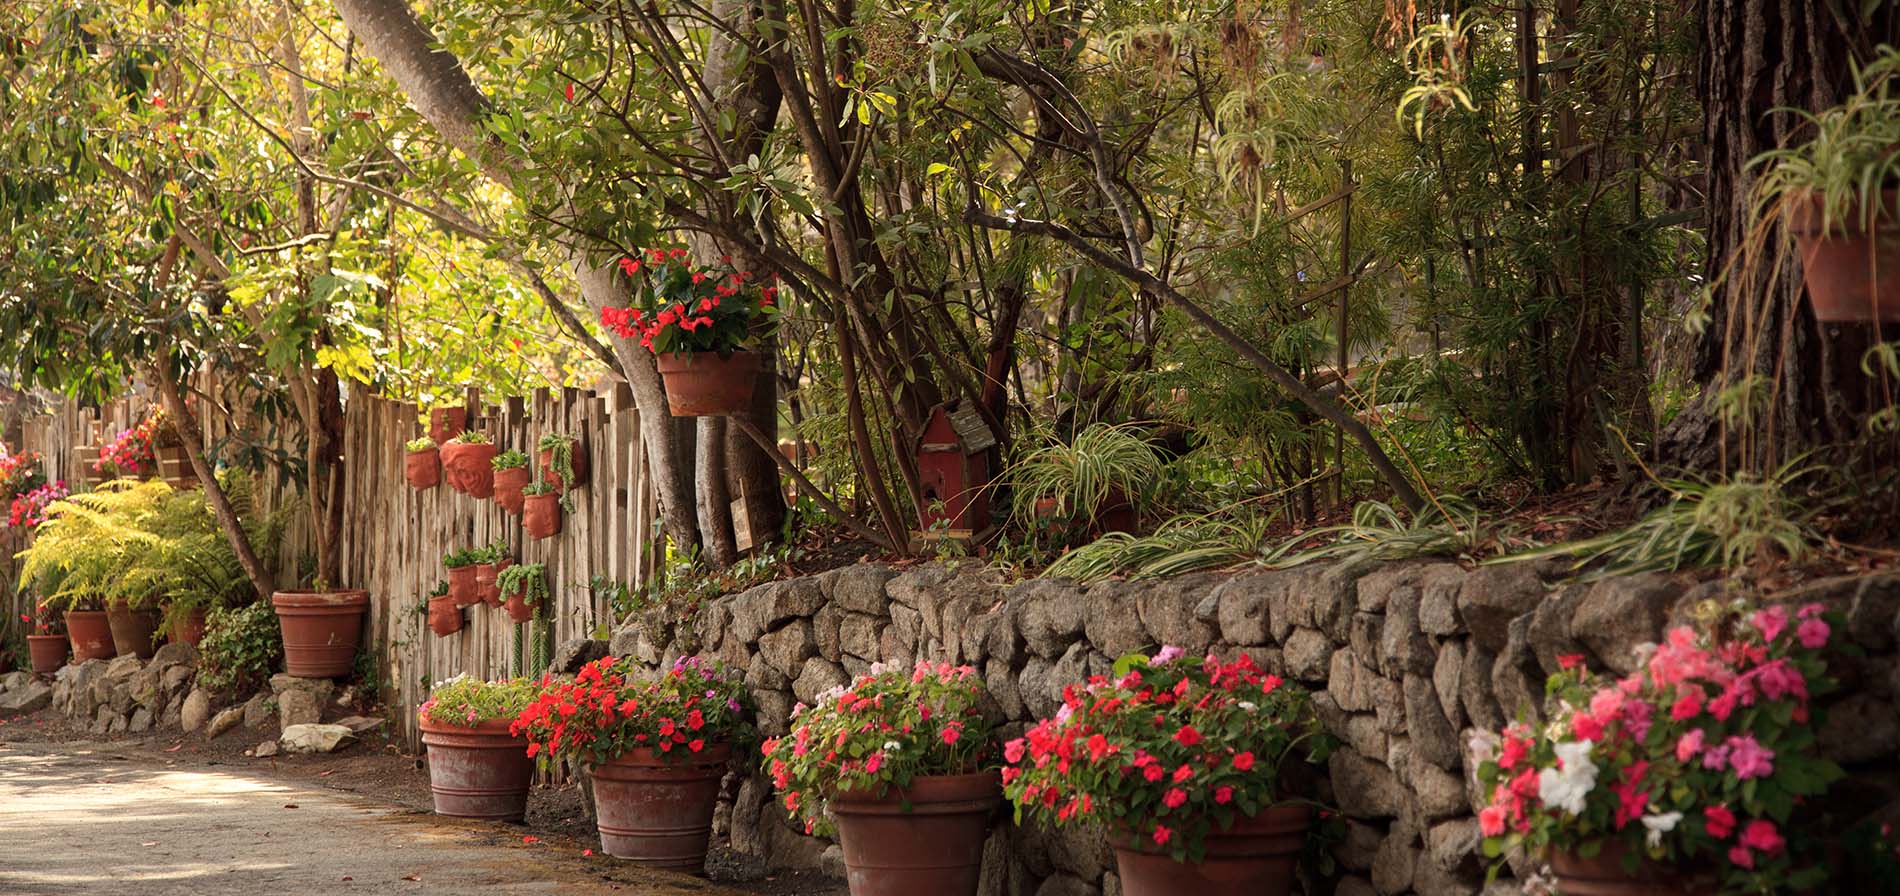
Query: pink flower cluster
{"x": 29, "y": 510}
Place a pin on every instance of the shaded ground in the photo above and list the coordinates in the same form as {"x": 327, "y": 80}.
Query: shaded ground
{"x": 179, "y": 815}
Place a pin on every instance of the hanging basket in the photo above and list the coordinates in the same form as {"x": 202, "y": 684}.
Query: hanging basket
{"x": 508, "y": 486}
{"x": 1852, "y": 272}
{"x": 541, "y": 516}
{"x": 707, "y": 385}
{"x": 422, "y": 469}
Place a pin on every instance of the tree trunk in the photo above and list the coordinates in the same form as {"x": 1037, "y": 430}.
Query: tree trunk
{"x": 1757, "y": 57}
{"x": 193, "y": 438}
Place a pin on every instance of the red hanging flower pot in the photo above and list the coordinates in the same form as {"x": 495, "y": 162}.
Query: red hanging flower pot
{"x": 462, "y": 586}
{"x": 422, "y": 469}
{"x": 577, "y": 458}
{"x": 447, "y": 423}
{"x": 704, "y": 384}
{"x": 470, "y": 467}
{"x": 485, "y": 584}
{"x": 445, "y": 616}
{"x": 541, "y": 515}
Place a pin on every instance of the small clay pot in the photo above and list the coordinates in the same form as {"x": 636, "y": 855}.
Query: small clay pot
{"x": 132, "y": 630}
{"x": 1255, "y": 857}
{"x": 445, "y": 616}
{"x": 91, "y": 635}
{"x": 1605, "y": 875}
{"x": 703, "y": 384}
{"x": 422, "y": 469}
{"x": 470, "y": 468}
{"x": 478, "y": 771}
{"x": 541, "y": 516}
{"x": 485, "y": 584}
{"x": 553, "y": 477}
{"x": 462, "y": 586}
{"x": 191, "y": 629}
{"x": 925, "y": 840}
{"x": 49, "y": 652}
{"x": 658, "y": 810}
{"x": 518, "y": 609}
{"x": 508, "y": 486}
{"x": 447, "y": 423}
{"x": 1852, "y": 273}
{"x": 321, "y": 630}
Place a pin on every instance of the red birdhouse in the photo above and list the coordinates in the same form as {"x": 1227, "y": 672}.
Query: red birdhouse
{"x": 953, "y": 468}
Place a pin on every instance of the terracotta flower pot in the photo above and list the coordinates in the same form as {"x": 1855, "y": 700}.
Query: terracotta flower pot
{"x": 541, "y": 516}
{"x": 321, "y": 630}
{"x": 478, "y": 772}
{"x": 551, "y": 477}
{"x": 132, "y": 630}
{"x": 707, "y": 385}
{"x": 518, "y": 609}
{"x": 445, "y": 616}
{"x": 1604, "y": 875}
{"x": 1256, "y": 857}
{"x": 91, "y": 635}
{"x": 191, "y": 629}
{"x": 48, "y": 652}
{"x": 462, "y": 588}
{"x": 447, "y": 423}
{"x": 932, "y": 848}
{"x": 485, "y": 584}
{"x": 659, "y": 812}
{"x": 1852, "y": 275}
{"x": 508, "y": 486}
{"x": 470, "y": 468}
{"x": 422, "y": 469}
{"x": 493, "y": 594}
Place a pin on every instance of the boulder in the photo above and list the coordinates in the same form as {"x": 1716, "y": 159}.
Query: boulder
{"x": 824, "y": 632}
{"x": 1449, "y": 845}
{"x": 13, "y": 680}
{"x": 297, "y": 706}
{"x": 195, "y": 711}
{"x": 1492, "y": 596}
{"x": 1167, "y": 607}
{"x": 1241, "y": 608}
{"x": 1432, "y": 734}
{"x": 225, "y": 720}
{"x": 1392, "y": 867}
{"x": 321, "y": 689}
{"x": 173, "y": 653}
{"x": 1445, "y": 678}
{"x": 1049, "y": 615}
{"x": 1308, "y": 654}
{"x": 32, "y": 696}
{"x": 315, "y": 738}
{"x": 570, "y": 655}
{"x": 857, "y": 636}
{"x": 1362, "y": 787}
{"x": 1403, "y": 646}
{"x": 859, "y": 588}
{"x": 787, "y": 649}
{"x": 818, "y": 676}
{"x": 1066, "y": 885}
{"x": 362, "y": 725}
{"x": 1112, "y": 622}
{"x": 1860, "y": 728}
{"x": 1438, "y": 586}
{"x": 140, "y": 721}
{"x": 1618, "y": 614}
{"x": 265, "y": 750}
{"x": 260, "y": 712}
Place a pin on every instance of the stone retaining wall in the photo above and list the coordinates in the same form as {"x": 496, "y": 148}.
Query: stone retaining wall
{"x": 1405, "y": 658}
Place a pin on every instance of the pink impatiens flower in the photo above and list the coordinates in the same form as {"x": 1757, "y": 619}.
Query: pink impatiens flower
{"x": 1770, "y": 621}
{"x": 1813, "y": 633}
{"x": 1689, "y": 745}
{"x": 1719, "y": 821}
{"x": 1760, "y": 835}
{"x": 1748, "y": 758}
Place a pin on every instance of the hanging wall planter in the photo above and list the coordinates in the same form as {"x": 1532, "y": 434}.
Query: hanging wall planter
{"x": 447, "y": 423}
{"x": 462, "y": 585}
{"x": 468, "y": 463}
{"x": 485, "y": 589}
{"x": 422, "y": 464}
{"x": 563, "y": 462}
{"x": 541, "y": 512}
{"x": 321, "y": 630}
{"x": 511, "y": 476}
{"x": 704, "y": 384}
{"x": 525, "y": 587}
{"x": 445, "y": 615}
{"x": 1851, "y": 265}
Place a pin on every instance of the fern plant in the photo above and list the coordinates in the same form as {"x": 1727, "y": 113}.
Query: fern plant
{"x": 84, "y": 552}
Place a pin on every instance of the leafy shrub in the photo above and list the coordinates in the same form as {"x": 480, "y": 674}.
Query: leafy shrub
{"x": 240, "y": 648}
{"x": 467, "y": 701}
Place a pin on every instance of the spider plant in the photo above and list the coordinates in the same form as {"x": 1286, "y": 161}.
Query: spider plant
{"x": 1102, "y": 463}
{"x": 1181, "y": 545}
{"x": 1447, "y": 527}
{"x": 1850, "y": 158}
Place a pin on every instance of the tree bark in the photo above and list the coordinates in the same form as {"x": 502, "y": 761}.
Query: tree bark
{"x": 263, "y": 580}
{"x": 1758, "y": 59}
{"x": 440, "y": 88}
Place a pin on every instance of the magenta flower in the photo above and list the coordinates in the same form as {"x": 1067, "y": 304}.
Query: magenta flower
{"x": 1748, "y": 758}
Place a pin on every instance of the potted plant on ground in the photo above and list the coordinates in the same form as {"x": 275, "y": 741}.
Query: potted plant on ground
{"x": 1838, "y": 196}
{"x": 468, "y": 463}
{"x": 525, "y": 587}
{"x": 1689, "y": 776}
{"x": 180, "y": 555}
{"x": 1095, "y": 483}
{"x": 903, "y": 762}
{"x": 477, "y": 767}
{"x": 655, "y": 747}
{"x": 46, "y": 643}
{"x": 1184, "y": 761}
{"x": 462, "y": 585}
{"x": 563, "y": 461}
{"x": 322, "y": 628}
{"x": 541, "y": 511}
{"x": 421, "y": 464}
{"x": 698, "y": 321}
{"x": 133, "y": 619}
{"x": 511, "y": 476}
{"x": 445, "y": 616}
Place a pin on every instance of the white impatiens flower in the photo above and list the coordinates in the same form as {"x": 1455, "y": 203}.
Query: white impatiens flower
{"x": 891, "y": 746}
{"x": 1248, "y": 705}
{"x": 1568, "y": 786}
{"x": 1658, "y": 825}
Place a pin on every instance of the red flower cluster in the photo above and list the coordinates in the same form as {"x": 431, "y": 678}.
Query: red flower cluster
{"x": 132, "y": 450}
{"x": 689, "y": 308}
{"x": 19, "y": 473}
{"x": 1171, "y": 745}
{"x": 29, "y": 510}
{"x": 608, "y": 710}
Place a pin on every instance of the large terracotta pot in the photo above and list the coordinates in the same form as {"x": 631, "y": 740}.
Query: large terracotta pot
{"x": 541, "y": 516}
{"x": 657, "y": 812}
{"x": 552, "y": 477}
{"x": 48, "y": 652}
{"x": 445, "y": 615}
{"x": 478, "y": 772}
{"x": 1852, "y": 275}
{"x": 933, "y": 848}
{"x": 1255, "y": 857}
{"x": 706, "y": 385}
{"x": 91, "y": 635}
{"x": 485, "y": 584}
{"x": 191, "y": 629}
{"x": 321, "y": 630}
{"x": 132, "y": 630}
{"x": 1604, "y": 875}
{"x": 470, "y": 469}
{"x": 422, "y": 469}
{"x": 508, "y": 486}
{"x": 447, "y": 423}
{"x": 462, "y": 586}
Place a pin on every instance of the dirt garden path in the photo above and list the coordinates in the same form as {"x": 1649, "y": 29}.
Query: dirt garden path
{"x": 87, "y": 818}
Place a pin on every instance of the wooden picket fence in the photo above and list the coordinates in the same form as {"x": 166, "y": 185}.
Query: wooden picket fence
{"x": 394, "y": 537}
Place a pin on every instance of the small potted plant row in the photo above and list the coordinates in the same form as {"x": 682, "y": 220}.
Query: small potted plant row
{"x": 47, "y": 644}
